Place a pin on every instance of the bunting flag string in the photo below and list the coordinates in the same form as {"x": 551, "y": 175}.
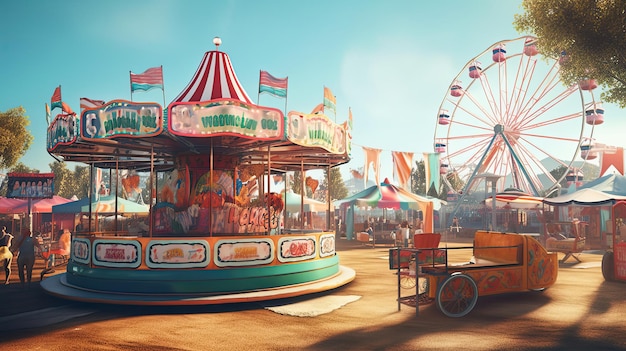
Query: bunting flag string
{"x": 402, "y": 163}
{"x": 372, "y": 156}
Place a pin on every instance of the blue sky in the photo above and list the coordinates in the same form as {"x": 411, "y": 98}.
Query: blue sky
{"x": 390, "y": 61}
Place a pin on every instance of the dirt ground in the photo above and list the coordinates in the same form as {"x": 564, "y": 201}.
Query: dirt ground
{"x": 580, "y": 312}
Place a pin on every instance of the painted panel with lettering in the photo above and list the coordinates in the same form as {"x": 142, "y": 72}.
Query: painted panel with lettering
{"x": 63, "y": 130}
{"x": 243, "y": 252}
{"x": 178, "y": 254}
{"x": 225, "y": 117}
{"x": 294, "y": 248}
{"x": 81, "y": 249}
{"x": 316, "y": 130}
{"x": 121, "y": 118}
{"x": 327, "y": 245}
{"x": 113, "y": 253}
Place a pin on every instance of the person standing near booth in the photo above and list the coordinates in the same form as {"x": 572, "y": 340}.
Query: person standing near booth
{"x": 6, "y": 256}
{"x": 26, "y": 257}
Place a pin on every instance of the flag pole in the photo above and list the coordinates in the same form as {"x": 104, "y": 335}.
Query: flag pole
{"x": 163, "y": 85}
{"x": 130, "y": 80}
{"x": 286, "y": 95}
{"x": 258, "y": 93}
{"x": 323, "y": 98}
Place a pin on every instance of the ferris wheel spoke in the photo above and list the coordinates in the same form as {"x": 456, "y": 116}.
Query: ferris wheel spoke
{"x": 530, "y": 116}
{"x": 542, "y": 91}
{"x": 490, "y": 118}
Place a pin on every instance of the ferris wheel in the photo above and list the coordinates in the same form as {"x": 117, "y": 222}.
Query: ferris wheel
{"x": 507, "y": 115}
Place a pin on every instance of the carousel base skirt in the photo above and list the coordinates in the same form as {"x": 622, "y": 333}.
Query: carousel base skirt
{"x": 57, "y": 285}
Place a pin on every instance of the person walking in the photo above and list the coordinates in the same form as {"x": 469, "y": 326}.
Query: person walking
{"x": 26, "y": 257}
{"x": 6, "y": 256}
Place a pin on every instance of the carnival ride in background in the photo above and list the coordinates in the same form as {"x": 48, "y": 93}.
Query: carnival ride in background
{"x": 507, "y": 117}
{"x": 209, "y": 240}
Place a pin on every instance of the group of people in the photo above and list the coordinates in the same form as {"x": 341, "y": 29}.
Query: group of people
{"x": 24, "y": 248}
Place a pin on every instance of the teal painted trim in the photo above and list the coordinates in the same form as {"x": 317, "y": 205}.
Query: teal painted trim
{"x": 193, "y": 281}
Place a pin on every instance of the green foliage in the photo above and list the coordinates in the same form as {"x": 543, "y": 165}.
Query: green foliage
{"x": 15, "y": 139}
{"x": 592, "y": 33}
{"x": 418, "y": 178}
{"x": 337, "y": 188}
{"x": 296, "y": 185}
{"x": 64, "y": 184}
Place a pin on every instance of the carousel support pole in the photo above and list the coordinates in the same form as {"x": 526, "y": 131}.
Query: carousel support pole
{"x": 30, "y": 214}
{"x": 152, "y": 192}
{"x": 269, "y": 209}
{"x": 303, "y": 191}
{"x": 328, "y": 200}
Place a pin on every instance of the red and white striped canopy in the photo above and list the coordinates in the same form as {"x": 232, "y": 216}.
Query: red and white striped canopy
{"x": 214, "y": 79}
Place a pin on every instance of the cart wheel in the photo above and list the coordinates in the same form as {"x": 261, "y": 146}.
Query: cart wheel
{"x": 608, "y": 266}
{"x": 457, "y": 295}
{"x": 407, "y": 281}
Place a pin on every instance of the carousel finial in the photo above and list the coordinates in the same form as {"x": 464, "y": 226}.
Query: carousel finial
{"x": 217, "y": 41}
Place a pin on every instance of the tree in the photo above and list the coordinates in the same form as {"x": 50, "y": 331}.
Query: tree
{"x": 296, "y": 185}
{"x": 81, "y": 182}
{"x": 64, "y": 181}
{"x": 591, "y": 33}
{"x": 15, "y": 139}
{"x": 337, "y": 188}
{"x": 418, "y": 178}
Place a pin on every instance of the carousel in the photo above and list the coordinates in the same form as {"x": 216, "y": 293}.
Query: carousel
{"x": 213, "y": 234}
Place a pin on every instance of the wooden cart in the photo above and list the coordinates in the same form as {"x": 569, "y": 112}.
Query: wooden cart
{"x": 501, "y": 263}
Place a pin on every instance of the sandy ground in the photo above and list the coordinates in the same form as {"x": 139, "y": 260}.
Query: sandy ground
{"x": 580, "y": 312}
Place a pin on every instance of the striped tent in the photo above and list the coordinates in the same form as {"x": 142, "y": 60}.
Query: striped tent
{"x": 214, "y": 79}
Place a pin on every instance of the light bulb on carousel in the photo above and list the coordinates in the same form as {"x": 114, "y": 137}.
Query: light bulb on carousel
{"x": 217, "y": 41}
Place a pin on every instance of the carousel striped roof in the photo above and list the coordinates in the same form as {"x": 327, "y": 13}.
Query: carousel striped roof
{"x": 214, "y": 79}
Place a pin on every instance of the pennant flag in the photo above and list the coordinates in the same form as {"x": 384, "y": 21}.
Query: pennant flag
{"x": 86, "y": 103}
{"x": 318, "y": 109}
{"x": 312, "y": 183}
{"x": 67, "y": 109}
{"x": 431, "y": 170}
{"x": 615, "y": 159}
{"x": 47, "y": 113}
{"x": 55, "y": 100}
{"x": 356, "y": 174}
{"x": 402, "y": 167}
{"x": 272, "y": 85}
{"x": 329, "y": 99}
{"x": 372, "y": 156}
{"x": 150, "y": 79}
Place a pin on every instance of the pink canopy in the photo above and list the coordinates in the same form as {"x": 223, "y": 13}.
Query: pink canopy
{"x": 41, "y": 206}
{"x": 7, "y": 205}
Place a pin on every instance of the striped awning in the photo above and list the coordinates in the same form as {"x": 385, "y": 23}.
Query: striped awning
{"x": 214, "y": 79}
